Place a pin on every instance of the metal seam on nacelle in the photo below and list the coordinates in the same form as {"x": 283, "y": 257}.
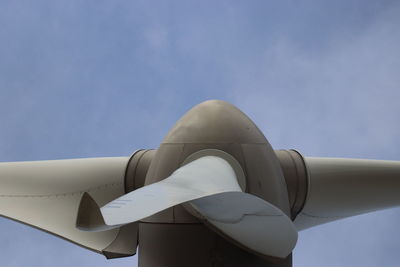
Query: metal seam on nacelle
{"x": 304, "y": 176}
{"x": 127, "y": 169}
{"x": 296, "y": 177}
{"x": 132, "y": 169}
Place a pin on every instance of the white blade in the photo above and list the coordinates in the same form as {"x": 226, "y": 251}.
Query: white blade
{"x": 340, "y": 188}
{"x": 46, "y": 194}
{"x": 205, "y": 176}
{"x": 249, "y": 221}
{"x": 209, "y": 188}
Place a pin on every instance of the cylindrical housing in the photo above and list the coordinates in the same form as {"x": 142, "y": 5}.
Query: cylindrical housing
{"x": 296, "y": 177}
{"x": 340, "y": 188}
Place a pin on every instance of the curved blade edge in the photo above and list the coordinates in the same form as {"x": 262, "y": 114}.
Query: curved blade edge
{"x": 203, "y": 177}
{"x": 89, "y": 216}
{"x": 248, "y": 221}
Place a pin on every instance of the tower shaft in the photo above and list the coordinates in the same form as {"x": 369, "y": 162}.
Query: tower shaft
{"x": 194, "y": 245}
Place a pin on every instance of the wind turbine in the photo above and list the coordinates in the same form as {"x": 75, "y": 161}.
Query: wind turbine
{"x": 214, "y": 193}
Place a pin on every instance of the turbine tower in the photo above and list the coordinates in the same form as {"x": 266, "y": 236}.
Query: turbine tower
{"x": 214, "y": 193}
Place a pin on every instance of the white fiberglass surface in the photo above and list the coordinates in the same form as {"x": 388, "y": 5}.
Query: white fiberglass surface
{"x": 254, "y": 223}
{"x": 203, "y": 177}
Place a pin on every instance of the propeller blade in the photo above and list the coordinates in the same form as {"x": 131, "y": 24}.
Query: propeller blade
{"x": 340, "y": 188}
{"x": 248, "y": 221}
{"x": 205, "y": 176}
{"x": 46, "y": 195}
{"x": 209, "y": 188}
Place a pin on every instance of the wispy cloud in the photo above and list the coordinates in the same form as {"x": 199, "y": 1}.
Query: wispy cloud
{"x": 346, "y": 93}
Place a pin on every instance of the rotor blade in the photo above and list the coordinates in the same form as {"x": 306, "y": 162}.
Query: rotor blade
{"x": 340, "y": 188}
{"x": 248, "y": 221}
{"x": 205, "y": 176}
{"x": 46, "y": 195}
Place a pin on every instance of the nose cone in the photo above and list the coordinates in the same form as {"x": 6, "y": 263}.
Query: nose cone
{"x": 219, "y": 125}
{"x": 216, "y": 122}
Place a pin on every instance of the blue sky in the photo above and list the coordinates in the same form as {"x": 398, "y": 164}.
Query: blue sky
{"x": 104, "y": 78}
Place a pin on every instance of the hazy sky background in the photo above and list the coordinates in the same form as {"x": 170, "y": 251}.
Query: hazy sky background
{"x": 104, "y": 78}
